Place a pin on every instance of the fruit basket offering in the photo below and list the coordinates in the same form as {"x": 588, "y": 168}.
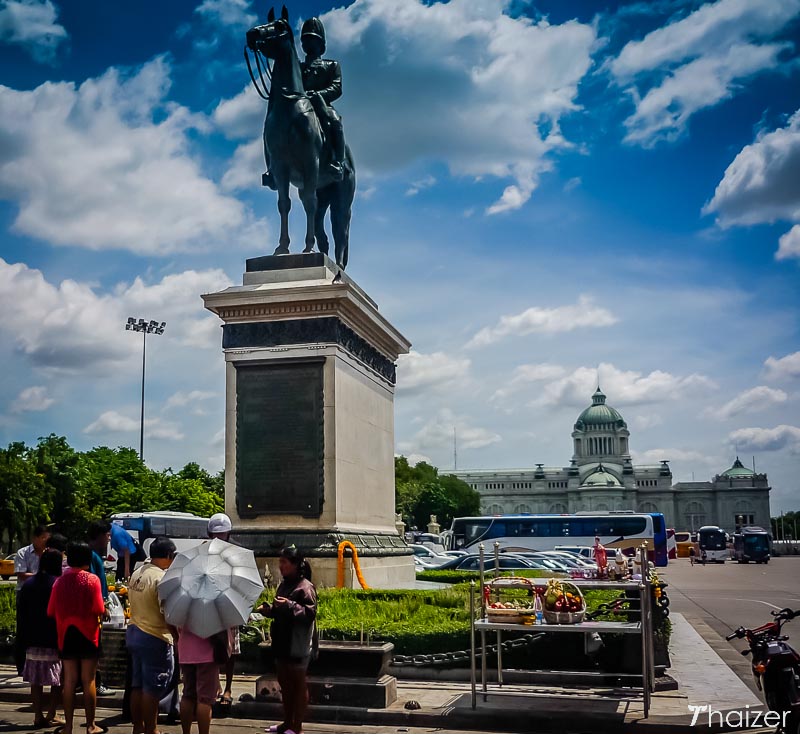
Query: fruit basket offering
{"x": 508, "y": 611}
{"x": 563, "y": 603}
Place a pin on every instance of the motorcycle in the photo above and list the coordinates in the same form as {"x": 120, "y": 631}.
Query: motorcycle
{"x": 776, "y": 667}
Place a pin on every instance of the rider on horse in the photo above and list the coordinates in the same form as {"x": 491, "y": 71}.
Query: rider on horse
{"x": 322, "y": 81}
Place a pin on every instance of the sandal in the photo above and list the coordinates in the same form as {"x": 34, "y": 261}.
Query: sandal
{"x": 279, "y": 728}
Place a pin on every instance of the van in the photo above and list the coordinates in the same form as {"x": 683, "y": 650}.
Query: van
{"x": 183, "y": 528}
{"x": 584, "y": 551}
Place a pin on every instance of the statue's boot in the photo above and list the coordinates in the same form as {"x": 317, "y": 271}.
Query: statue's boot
{"x": 268, "y": 180}
{"x": 335, "y": 169}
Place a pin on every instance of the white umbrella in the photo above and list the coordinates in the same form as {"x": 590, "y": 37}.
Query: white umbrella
{"x": 210, "y": 588}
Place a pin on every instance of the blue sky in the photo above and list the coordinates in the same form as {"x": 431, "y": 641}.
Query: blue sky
{"x": 550, "y": 193}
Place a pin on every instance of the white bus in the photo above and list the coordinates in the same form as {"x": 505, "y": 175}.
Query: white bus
{"x": 623, "y": 530}
{"x": 713, "y": 541}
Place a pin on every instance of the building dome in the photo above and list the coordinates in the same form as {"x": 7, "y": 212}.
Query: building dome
{"x": 738, "y": 470}
{"x": 600, "y": 477}
{"x": 599, "y": 414}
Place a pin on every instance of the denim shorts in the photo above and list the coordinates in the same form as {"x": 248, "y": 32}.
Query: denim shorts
{"x": 152, "y": 662}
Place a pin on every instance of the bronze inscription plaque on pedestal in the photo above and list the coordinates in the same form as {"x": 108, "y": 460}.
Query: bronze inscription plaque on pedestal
{"x": 279, "y": 439}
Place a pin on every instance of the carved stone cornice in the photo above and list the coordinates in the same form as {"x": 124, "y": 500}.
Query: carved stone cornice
{"x": 309, "y": 299}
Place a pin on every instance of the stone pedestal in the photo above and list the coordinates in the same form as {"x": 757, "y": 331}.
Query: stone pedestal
{"x": 309, "y": 417}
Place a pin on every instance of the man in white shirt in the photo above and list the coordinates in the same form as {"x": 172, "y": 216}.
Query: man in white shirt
{"x": 26, "y": 561}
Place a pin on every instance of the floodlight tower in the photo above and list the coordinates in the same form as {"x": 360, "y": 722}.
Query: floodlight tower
{"x": 146, "y": 327}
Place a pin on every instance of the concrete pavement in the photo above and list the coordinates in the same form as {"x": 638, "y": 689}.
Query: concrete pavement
{"x": 703, "y": 676}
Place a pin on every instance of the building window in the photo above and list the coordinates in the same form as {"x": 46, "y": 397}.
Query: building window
{"x": 519, "y": 509}
{"x": 495, "y": 510}
{"x": 558, "y": 509}
{"x": 742, "y": 518}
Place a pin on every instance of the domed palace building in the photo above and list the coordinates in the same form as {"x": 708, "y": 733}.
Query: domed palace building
{"x": 601, "y": 477}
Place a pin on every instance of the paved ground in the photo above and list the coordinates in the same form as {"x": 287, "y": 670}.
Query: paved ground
{"x": 717, "y": 598}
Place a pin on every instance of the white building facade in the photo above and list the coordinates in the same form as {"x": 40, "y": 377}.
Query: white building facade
{"x": 602, "y": 478}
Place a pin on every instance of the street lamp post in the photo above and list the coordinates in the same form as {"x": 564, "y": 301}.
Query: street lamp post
{"x": 146, "y": 327}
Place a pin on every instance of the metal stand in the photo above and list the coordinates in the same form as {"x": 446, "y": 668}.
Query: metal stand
{"x": 644, "y": 627}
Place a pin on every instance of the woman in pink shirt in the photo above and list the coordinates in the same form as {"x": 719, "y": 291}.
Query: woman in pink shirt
{"x": 200, "y": 678}
{"x": 76, "y": 602}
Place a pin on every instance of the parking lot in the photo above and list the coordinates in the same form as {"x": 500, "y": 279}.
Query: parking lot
{"x": 724, "y": 596}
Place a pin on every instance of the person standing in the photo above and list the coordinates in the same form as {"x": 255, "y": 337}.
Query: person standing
{"x": 220, "y": 526}
{"x": 76, "y": 603}
{"x": 37, "y": 633}
{"x": 26, "y": 564}
{"x": 26, "y": 560}
{"x": 293, "y": 612}
{"x": 200, "y": 672}
{"x": 127, "y": 550}
{"x": 149, "y": 639}
{"x": 691, "y": 555}
{"x": 99, "y": 536}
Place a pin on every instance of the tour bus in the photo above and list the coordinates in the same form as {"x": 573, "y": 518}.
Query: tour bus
{"x": 183, "y": 528}
{"x": 751, "y": 543}
{"x": 713, "y": 541}
{"x": 625, "y": 530}
{"x": 672, "y": 545}
{"x": 683, "y": 540}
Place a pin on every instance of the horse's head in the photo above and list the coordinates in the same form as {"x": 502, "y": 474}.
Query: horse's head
{"x": 270, "y": 38}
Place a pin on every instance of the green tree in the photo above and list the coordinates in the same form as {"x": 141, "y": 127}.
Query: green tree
{"x": 420, "y": 491}
{"x": 24, "y": 497}
{"x": 75, "y": 498}
{"x": 213, "y": 483}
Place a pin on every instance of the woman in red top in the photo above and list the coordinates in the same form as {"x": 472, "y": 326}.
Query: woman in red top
{"x": 76, "y": 602}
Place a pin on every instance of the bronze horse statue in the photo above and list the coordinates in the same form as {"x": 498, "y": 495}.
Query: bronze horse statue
{"x": 295, "y": 146}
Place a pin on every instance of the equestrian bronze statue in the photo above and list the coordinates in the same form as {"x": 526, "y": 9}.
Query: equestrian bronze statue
{"x": 303, "y": 137}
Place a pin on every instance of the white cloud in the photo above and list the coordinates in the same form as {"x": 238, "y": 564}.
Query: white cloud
{"x": 113, "y": 422}
{"x": 420, "y": 185}
{"x": 664, "y": 111}
{"x": 541, "y": 320}
{"x": 438, "y": 433}
{"x": 448, "y": 82}
{"x": 651, "y": 420}
{"x": 181, "y": 399}
{"x": 32, "y": 399}
{"x": 418, "y": 372}
{"x": 750, "y": 401}
{"x": 766, "y": 439}
{"x": 107, "y": 165}
{"x": 789, "y": 244}
{"x": 655, "y": 456}
{"x": 525, "y": 374}
{"x": 762, "y": 185}
{"x": 71, "y": 327}
{"x": 698, "y": 61}
{"x": 623, "y": 387}
{"x": 32, "y": 24}
{"x": 227, "y": 12}
{"x": 783, "y": 367}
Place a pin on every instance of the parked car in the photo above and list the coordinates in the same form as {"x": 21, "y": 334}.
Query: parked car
{"x": 7, "y": 568}
{"x": 432, "y": 559}
{"x": 585, "y": 551}
{"x": 507, "y": 561}
{"x": 572, "y": 558}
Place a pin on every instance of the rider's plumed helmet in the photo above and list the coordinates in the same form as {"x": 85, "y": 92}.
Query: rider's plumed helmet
{"x": 313, "y": 27}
